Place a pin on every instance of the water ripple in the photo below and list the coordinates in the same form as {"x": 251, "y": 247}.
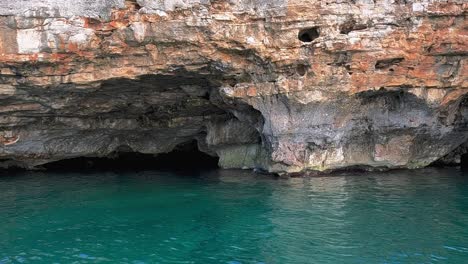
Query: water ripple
{"x": 234, "y": 217}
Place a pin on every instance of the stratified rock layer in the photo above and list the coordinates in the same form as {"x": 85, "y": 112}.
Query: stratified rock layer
{"x": 288, "y": 86}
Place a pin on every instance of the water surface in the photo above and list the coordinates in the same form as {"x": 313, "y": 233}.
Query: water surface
{"x": 234, "y": 217}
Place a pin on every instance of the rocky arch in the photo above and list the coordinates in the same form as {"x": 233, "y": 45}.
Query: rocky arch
{"x": 143, "y": 116}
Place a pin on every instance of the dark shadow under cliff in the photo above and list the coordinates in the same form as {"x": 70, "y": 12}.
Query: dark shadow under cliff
{"x": 184, "y": 157}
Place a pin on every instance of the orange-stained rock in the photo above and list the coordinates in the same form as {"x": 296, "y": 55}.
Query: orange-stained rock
{"x": 325, "y": 84}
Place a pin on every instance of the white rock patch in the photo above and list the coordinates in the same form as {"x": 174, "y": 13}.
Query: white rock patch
{"x": 139, "y": 30}
{"x": 29, "y": 41}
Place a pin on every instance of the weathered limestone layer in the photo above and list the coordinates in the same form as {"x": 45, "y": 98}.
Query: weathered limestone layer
{"x": 288, "y": 86}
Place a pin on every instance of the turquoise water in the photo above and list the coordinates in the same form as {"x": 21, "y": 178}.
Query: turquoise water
{"x": 234, "y": 217}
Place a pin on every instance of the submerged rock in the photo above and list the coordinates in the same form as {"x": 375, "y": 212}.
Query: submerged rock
{"x": 285, "y": 86}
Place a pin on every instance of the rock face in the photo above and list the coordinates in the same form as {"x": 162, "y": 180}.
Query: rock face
{"x": 288, "y": 86}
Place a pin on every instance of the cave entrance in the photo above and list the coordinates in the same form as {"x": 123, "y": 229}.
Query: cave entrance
{"x": 184, "y": 157}
{"x": 464, "y": 161}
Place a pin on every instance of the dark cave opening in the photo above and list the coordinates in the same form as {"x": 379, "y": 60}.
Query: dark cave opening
{"x": 185, "y": 157}
{"x": 179, "y": 106}
{"x": 464, "y": 161}
{"x": 309, "y": 34}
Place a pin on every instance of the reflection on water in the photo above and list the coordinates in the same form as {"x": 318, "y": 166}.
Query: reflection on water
{"x": 416, "y": 216}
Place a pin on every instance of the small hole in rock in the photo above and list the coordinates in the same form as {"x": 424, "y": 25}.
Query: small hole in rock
{"x": 308, "y": 35}
{"x": 301, "y": 69}
{"x": 231, "y": 82}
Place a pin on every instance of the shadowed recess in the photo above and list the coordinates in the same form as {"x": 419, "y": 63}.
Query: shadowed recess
{"x": 184, "y": 157}
{"x": 309, "y": 34}
{"x": 464, "y": 161}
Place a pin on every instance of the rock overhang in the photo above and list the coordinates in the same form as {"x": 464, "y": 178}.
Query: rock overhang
{"x": 370, "y": 84}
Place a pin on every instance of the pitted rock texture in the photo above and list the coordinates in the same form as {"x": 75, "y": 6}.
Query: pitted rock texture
{"x": 286, "y": 86}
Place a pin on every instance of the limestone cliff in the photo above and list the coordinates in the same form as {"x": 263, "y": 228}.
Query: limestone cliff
{"x": 285, "y": 85}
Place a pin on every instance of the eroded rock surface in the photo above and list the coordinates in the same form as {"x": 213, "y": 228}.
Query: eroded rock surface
{"x": 288, "y": 86}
